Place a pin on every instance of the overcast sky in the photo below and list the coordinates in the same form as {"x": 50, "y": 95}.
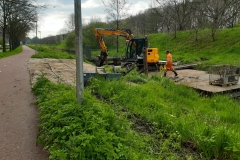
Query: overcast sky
{"x": 52, "y": 19}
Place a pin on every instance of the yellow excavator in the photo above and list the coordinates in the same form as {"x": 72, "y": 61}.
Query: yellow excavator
{"x": 136, "y": 48}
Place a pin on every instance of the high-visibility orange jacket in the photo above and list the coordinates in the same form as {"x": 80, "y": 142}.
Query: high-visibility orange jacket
{"x": 169, "y": 63}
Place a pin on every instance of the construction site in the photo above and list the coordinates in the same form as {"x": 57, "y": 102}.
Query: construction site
{"x": 219, "y": 80}
{"x": 161, "y": 99}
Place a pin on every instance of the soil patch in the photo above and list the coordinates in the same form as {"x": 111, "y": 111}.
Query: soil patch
{"x": 56, "y": 70}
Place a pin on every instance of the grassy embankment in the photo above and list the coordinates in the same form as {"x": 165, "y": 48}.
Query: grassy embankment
{"x": 225, "y": 49}
{"x": 150, "y": 119}
{"x": 10, "y": 53}
{"x": 44, "y": 51}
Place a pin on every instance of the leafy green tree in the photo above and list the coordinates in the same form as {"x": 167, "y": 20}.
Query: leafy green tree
{"x": 70, "y": 41}
{"x": 88, "y": 34}
{"x": 17, "y": 17}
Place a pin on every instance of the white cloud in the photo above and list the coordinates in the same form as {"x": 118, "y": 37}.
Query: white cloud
{"x": 52, "y": 19}
{"x": 51, "y": 25}
{"x": 91, "y": 4}
{"x": 139, "y": 6}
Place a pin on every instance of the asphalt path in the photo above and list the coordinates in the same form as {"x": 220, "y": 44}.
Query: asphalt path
{"x": 18, "y": 113}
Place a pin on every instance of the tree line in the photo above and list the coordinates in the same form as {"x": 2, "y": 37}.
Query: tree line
{"x": 175, "y": 15}
{"x": 163, "y": 16}
{"x": 170, "y": 16}
{"x": 17, "y": 18}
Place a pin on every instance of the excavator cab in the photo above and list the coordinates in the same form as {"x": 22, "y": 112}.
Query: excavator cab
{"x": 135, "y": 50}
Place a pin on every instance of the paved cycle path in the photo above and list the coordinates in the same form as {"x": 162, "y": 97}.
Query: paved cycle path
{"x": 18, "y": 115}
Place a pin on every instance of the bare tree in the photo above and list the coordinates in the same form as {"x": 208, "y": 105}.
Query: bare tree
{"x": 153, "y": 21}
{"x": 218, "y": 12}
{"x": 175, "y": 13}
{"x": 69, "y": 23}
{"x": 116, "y": 10}
{"x": 132, "y": 23}
{"x": 197, "y": 21}
{"x": 63, "y": 31}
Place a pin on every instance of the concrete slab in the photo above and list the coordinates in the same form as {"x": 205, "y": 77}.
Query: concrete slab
{"x": 199, "y": 80}
{"x": 56, "y": 70}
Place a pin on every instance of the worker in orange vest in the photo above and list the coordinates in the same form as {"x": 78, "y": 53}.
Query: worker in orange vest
{"x": 169, "y": 65}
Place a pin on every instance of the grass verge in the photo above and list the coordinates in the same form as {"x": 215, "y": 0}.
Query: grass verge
{"x": 208, "y": 124}
{"x": 10, "y": 53}
{"x": 45, "y": 51}
{"x": 97, "y": 129}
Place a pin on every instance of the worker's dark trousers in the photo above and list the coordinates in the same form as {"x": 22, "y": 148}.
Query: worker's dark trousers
{"x": 165, "y": 73}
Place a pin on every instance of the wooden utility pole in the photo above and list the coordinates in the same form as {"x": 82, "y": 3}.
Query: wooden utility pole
{"x": 145, "y": 64}
{"x": 79, "y": 51}
{"x": 145, "y": 55}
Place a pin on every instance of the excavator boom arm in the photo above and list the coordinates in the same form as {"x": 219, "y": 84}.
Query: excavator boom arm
{"x": 98, "y": 32}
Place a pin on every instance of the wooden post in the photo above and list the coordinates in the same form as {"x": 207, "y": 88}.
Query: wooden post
{"x": 145, "y": 64}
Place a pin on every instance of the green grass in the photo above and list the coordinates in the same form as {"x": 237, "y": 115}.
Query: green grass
{"x": 88, "y": 131}
{"x": 113, "y": 52}
{"x": 152, "y": 119}
{"x": 10, "y": 53}
{"x": 45, "y": 51}
{"x": 225, "y": 50}
{"x": 211, "y": 124}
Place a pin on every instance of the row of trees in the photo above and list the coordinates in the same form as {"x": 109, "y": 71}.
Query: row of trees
{"x": 17, "y": 18}
{"x": 170, "y": 16}
{"x": 174, "y": 15}
{"x": 47, "y": 40}
{"x": 163, "y": 16}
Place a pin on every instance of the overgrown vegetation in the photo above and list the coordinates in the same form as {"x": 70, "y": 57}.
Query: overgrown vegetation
{"x": 209, "y": 124}
{"x": 10, "y": 53}
{"x": 141, "y": 117}
{"x": 154, "y": 119}
{"x": 91, "y": 130}
{"x": 45, "y": 51}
